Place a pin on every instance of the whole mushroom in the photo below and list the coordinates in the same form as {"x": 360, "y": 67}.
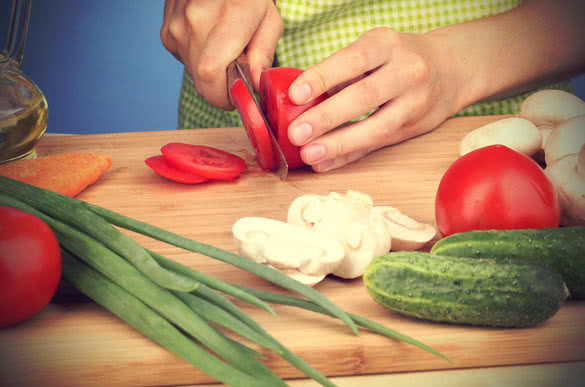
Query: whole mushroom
{"x": 567, "y": 175}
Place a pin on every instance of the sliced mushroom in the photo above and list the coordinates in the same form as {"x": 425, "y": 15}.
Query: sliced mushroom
{"x": 309, "y": 280}
{"x": 516, "y": 133}
{"x": 306, "y": 210}
{"x": 567, "y": 175}
{"x": 347, "y": 219}
{"x": 566, "y": 139}
{"x": 287, "y": 246}
{"x": 551, "y": 107}
{"x": 407, "y": 233}
{"x": 545, "y": 131}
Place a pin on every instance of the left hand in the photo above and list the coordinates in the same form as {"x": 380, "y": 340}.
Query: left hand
{"x": 410, "y": 81}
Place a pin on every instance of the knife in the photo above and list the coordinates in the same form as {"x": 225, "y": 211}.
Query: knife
{"x": 239, "y": 69}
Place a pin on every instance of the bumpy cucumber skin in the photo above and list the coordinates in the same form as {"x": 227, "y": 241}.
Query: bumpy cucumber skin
{"x": 562, "y": 248}
{"x": 485, "y": 292}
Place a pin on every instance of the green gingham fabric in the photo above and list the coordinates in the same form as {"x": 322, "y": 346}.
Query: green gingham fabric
{"x": 315, "y": 29}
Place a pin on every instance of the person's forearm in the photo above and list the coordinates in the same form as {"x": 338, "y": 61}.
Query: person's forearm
{"x": 539, "y": 42}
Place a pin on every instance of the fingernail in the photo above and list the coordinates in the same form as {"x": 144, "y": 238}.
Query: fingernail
{"x": 323, "y": 166}
{"x": 314, "y": 153}
{"x": 301, "y": 93}
{"x": 301, "y": 133}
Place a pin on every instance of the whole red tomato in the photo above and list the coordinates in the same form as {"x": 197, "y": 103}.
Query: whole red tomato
{"x": 495, "y": 188}
{"x": 280, "y": 110}
{"x": 30, "y": 265}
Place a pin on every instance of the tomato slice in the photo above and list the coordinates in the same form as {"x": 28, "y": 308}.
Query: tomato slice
{"x": 203, "y": 161}
{"x": 280, "y": 110}
{"x": 164, "y": 169}
{"x": 253, "y": 124}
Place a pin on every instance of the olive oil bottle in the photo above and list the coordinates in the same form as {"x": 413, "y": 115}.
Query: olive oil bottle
{"x": 23, "y": 107}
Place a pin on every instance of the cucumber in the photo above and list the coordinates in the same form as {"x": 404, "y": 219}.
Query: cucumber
{"x": 485, "y": 292}
{"x": 562, "y": 248}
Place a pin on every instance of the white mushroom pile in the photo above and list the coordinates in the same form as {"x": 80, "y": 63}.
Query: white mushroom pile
{"x": 550, "y": 127}
{"x": 336, "y": 234}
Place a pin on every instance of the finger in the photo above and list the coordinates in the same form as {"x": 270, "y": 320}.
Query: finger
{"x": 380, "y": 129}
{"x": 262, "y": 46}
{"x": 344, "y": 65}
{"x": 222, "y": 47}
{"x": 174, "y": 29}
{"x": 355, "y": 100}
{"x": 329, "y": 165}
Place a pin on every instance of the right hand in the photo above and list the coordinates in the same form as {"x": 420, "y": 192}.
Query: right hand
{"x": 206, "y": 35}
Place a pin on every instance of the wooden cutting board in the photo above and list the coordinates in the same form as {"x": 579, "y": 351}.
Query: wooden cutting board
{"x": 74, "y": 342}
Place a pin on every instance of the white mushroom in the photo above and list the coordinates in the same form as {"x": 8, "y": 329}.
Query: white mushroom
{"x": 566, "y": 139}
{"x": 309, "y": 280}
{"x": 545, "y": 131}
{"x": 287, "y": 246}
{"x": 567, "y": 175}
{"x": 551, "y": 107}
{"x": 516, "y": 133}
{"x": 407, "y": 233}
{"x": 346, "y": 218}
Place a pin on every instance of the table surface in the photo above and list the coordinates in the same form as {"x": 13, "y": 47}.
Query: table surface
{"x": 74, "y": 342}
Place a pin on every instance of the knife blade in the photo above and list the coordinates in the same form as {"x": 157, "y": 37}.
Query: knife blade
{"x": 239, "y": 69}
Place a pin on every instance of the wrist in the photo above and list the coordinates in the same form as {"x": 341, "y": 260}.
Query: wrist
{"x": 457, "y": 72}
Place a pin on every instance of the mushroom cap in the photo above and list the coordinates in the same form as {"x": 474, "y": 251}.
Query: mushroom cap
{"x": 566, "y": 139}
{"x": 516, "y": 133}
{"x": 407, "y": 233}
{"x": 570, "y": 187}
{"x": 551, "y": 107}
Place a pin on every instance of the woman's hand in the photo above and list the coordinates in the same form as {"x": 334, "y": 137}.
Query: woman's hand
{"x": 404, "y": 77}
{"x": 206, "y": 35}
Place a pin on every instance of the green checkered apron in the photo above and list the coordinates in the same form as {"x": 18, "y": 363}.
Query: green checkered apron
{"x": 314, "y": 29}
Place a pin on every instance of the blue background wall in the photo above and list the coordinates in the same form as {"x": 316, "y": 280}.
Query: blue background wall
{"x": 102, "y": 66}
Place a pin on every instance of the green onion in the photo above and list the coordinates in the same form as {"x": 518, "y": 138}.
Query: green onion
{"x": 248, "y": 265}
{"x": 380, "y": 329}
{"x": 209, "y": 281}
{"x": 134, "y": 312}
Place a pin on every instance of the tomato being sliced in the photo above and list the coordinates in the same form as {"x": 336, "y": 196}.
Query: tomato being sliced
{"x": 164, "y": 169}
{"x": 203, "y": 160}
{"x": 280, "y": 110}
{"x": 30, "y": 265}
{"x": 495, "y": 188}
{"x": 253, "y": 124}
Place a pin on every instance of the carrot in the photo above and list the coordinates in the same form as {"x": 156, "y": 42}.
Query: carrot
{"x": 67, "y": 174}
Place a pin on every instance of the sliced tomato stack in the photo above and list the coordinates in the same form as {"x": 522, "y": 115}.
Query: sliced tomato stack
{"x": 279, "y": 111}
{"x": 192, "y": 164}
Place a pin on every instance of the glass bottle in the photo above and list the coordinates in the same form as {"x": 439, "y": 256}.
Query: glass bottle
{"x": 23, "y": 107}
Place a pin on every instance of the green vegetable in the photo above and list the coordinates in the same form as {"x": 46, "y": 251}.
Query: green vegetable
{"x": 562, "y": 248}
{"x": 260, "y": 270}
{"x": 134, "y": 312}
{"x": 373, "y": 326}
{"x": 488, "y": 292}
{"x": 209, "y": 281}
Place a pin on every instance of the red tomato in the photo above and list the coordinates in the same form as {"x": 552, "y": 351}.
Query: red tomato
{"x": 160, "y": 166}
{"x": 280, "y": 110}
{"x": 30, "y": 265}
{"x": 253, "y": 124}
{"x": 497, "y": 188}
{"x": 203, "y": 160}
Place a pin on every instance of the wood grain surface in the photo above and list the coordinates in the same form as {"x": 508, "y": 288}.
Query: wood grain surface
{"x": 74, "y": 342}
